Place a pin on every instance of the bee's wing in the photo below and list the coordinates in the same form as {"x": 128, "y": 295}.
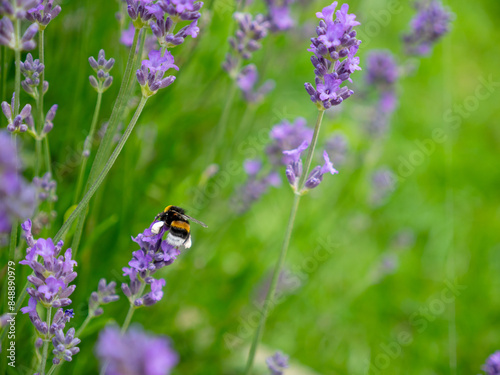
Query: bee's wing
{"x": 195, "y": 221}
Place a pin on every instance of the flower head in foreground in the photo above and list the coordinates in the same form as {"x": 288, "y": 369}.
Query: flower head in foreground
{"x": 135, "y": 352}
{"x": 430, "y": 24}
{"x": 247, "y": 79}
{"x": 53, "y": 272}
{"x": 279, "y": 15}
{"x": 151, "y": 75}
{"x": 334, "y": 57}
{"x": 17, "y": 197}
{"x": 43, "y": 13}
{"x": 492, "y": 365}
{"x": 19, "y": 123}
{"x": 277, "y": 363}
{"x": 154, "y": 254}
{"x": 7, "y": 37}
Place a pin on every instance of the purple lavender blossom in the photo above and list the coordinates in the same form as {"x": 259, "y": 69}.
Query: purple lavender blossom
{"x": 247, "y": 80}
{"x": 382, "y": 75}
{"x": 46, "y": 188}
{"x": 7, "y": 37}
{"x": 135, "y": 352}
{"x": 105, "y": 294}
{"x": 383, "y": 185}
{"x": 492, "y": 365}
{"x": 17, "y": 198}
{"x": 31, "y": 70}
{"x": 43, "y": 13}
{"x": 287, "y": 136}
{"x": 65, "y": 346}
{"x": 257, "y": 184}
{"x": 277, "y": 363}
{"x": 430, "y": 24}
{"x": 151, "y": 75}
{"x": 16, "y": 123}
{"x": 52, "y": 274}
{"x": 16, "y": 9}
{"x": 141, "y": 12}
{"x": 102, "y": 68}
{"x": 154, "y": 254}
{"x": 334, "y": 61}
{"x": 246, "y": 40}
{"x": 279, "y": 15}
{"x": 316, "y": 175}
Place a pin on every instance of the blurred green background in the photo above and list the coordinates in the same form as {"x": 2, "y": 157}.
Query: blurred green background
{"x": 386, "y": 267}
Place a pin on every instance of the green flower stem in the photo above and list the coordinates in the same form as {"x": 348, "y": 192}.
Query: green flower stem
{"x": 45, "y": 345}
{"x": 83, "y": 166}
{"x": 86, "y": 199}
{"x": 52, "y": 369}
{"x": 84, "y": 324}
{"x": 222, "y": 125}
{"x": 3, "y": 64}
{"x": 17, "y": 54}
{"x": 107, "y": 141}
{"x": 39, "y": 105}
{"x": 281, "y": 260}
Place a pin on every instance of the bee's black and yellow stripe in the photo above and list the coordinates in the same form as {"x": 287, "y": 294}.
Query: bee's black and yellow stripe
{"x": 180, "y": 228}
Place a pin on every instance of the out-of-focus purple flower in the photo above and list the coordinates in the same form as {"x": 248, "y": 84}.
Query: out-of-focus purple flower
{"x": 135, "y": 352}
{"x": 246, "y": 40}
{"x": 16, "y": 123}
{"x": 492, "y": 365}
{"x": 127, "y": 36}
{"x": 336, "y": 147}
{"x": 31, "y": 70}
{"x": 17, "y": 198}
{"x": 16, "y": 9}
{"x": 7, "y": 37}
{"x": 52, "y": 274}
{"x": 247, "y": 80}
{"x": 103, "y": 80}
{"x": 43, "y": 13}
{"x": 383, "y": 185}
{"x": 381, "y": 68}
{"x": 279, "y": 15}
{"x": 277, "y": 363}
{"x": 334, "y": 57}
{"x": 46, "y": 188}
{"x": 430, "y": 24}
{"x": 151, "y": 75}
{"x": 181, "y": 10}
{"x": 287, "y": 136}
{"x": 105, "y": 294}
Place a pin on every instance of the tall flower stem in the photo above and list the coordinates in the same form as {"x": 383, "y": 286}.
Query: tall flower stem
{"x": 45, "y": 345}
{"x": 40, "y": 118}
{"x": 84, "y": 325}
{"x": 269, "y": 302}
{"x": 222, "y": 124}
{"x": 86, "y": 198}
{"x": 52, "y": 369}
{"x": 17, "y": 54}
{"x": 128, "y": 318}
{"x": 107, "y": 141}
{"x": 83, "y": 166}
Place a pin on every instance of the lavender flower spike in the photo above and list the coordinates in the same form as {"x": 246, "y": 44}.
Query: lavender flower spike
{"x": 492, "y": 365}
{"x": 7, "y": 37}
{"x": 334, "y": 57}
{"x": 279, "y": 15}
{"x": 105, "y": 294}
{"x": 316, "y": 175}
{"x": 16, "y": 9}
{"x": 135, "y": 352}
{"x": 430, "y": 24}
{"x": 16, "y": 124}
{"x": 43, "y": 13}
{"x": 277, "y": 363}
{"x": 31, "y": 70}
{"x": 247, "y": 80}
{"x": 151, "y": 75}
{"x": 102, "y": 67}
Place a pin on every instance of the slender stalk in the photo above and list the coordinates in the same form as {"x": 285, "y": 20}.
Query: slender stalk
{"x": 84, "y": 325}
{"x": 281, "y": 260}
{"x": 107, "y": 141}
{"x": 52, "y": 369}
{"x": 222, "y": 125}
{"x": 41, "y": 371}
{"x": 17, "y": 54}
{"x": 39, "y": 104}
{"x": 86, "y": 199}
{"x": 274, "y": 282}
{"x": 128, "y": 318}
{"x": 3, "y": 63}
{"x": 83, "y": 166}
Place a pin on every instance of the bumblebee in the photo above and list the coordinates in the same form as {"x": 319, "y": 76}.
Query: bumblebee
{"x": 180, "y": 230}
